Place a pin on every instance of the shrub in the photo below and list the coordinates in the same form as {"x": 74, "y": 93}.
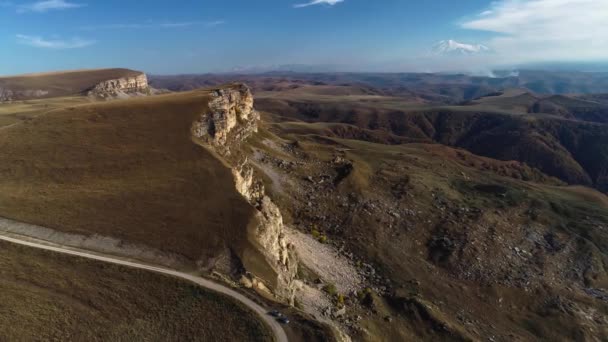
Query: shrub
{"x": 330, "y": 289}
{"x": 364, "y": 293}
{"x": 340, "y": 300}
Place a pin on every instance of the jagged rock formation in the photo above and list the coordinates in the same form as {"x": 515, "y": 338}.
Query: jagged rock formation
{"x": 121, "y": 87}
{"x": 228, "y": 108}
{"x": 230, "y": 120}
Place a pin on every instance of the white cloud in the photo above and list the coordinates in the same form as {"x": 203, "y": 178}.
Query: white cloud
{"x": 165, "y": 25}
{"x": 318, "y": 2}
{"x": 537, "y": 30}
{"x": 178, "y": 24}
{"x": 215, "y": 23}
{"x": 57, "y": 44}
{"x": 48, "y": 5}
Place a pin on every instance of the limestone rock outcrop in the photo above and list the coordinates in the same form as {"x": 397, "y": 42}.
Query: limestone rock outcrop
{"x": 8, "y": 95}
{"x": 121, "y": 87}
{"x": 268, "y": 231}
{"x": 229, "y": 120}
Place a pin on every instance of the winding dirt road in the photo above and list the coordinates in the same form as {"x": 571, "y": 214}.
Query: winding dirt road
{"x": 276, "y": 328}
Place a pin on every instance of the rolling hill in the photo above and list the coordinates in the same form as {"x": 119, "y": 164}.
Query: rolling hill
{"x": 66, "y": 83}
{"x": 434, "y": 88}
{"x": 568, "y": 145}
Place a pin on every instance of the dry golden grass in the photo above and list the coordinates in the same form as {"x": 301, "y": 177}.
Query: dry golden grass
{"x": 126, "y": 169}
{"x": 52, "y": 297}
{"x": 14, "y": 112}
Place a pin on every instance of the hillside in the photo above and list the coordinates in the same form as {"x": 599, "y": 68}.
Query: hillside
{"x": 451, "y": 246}
{"x": 68, "y": 83}
{"x": 46, "y": 296}
{"x": 445, "y": 244}
{"x": 572, "y": 108}
{"x": 500, "y": 127}
{"x": 132, "y": 179}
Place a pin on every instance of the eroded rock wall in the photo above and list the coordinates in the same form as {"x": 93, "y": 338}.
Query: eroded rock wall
{"x": 8, "y": 95}
{"x": 229, "y": 120}
{"x": 121, "y": 87}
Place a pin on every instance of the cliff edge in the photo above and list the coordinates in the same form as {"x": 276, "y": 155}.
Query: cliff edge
{"x": 102, "y": 83}
{"x": 230, "y": 120}
{"x": 123, "y": 87}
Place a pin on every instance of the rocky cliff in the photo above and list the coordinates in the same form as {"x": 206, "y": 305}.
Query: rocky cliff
{"x": 229, "y": 120}
{"x": 121, "y": 87}
{"x": 8, "y": 95}
{"x": 102, "y": 83}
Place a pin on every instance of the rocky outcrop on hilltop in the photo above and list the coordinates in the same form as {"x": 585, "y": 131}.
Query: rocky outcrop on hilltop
{"x": 229, "y": 120}
{"x": 97, "y": 83}
{"x": 121, "y": 87}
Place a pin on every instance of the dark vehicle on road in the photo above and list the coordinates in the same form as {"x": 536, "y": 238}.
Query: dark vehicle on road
{"x": 275, "y": 313}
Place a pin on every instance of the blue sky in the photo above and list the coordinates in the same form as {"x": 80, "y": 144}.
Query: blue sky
{"x": 189, "y": 36}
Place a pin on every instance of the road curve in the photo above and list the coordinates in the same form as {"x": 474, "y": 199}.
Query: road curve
{"x": 276, "y": 328}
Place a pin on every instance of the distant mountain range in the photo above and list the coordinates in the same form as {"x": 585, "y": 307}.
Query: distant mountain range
{"x": 259, "y": 69}
{"x": 447, "y": 88}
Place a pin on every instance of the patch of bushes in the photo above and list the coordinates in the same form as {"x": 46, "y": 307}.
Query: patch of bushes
{"x": 322, "y": 238}
{"x": 340, "y": 300}
{"x": 330, "y": 289}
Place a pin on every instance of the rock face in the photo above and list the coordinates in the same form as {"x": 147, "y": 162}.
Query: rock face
{"x": 8, "y": 95}
{"x": 121, "y": 87}
{"x": 230, "y": 120}
{"x": 229, "y": 108}
{"x": 268, "y": 232}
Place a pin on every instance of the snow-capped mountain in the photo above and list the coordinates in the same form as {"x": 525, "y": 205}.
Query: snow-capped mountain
{"x": 454, "y": 48}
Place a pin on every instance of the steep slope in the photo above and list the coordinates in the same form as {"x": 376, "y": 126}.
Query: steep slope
{"x": 451, "y": 246}
{"x": 130, "y": 175}
{"x": 49, "y": 296}
{"x": 572, "y": 108}
{"x": 99, "y": 83}
{"x": 229, "y": 122}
